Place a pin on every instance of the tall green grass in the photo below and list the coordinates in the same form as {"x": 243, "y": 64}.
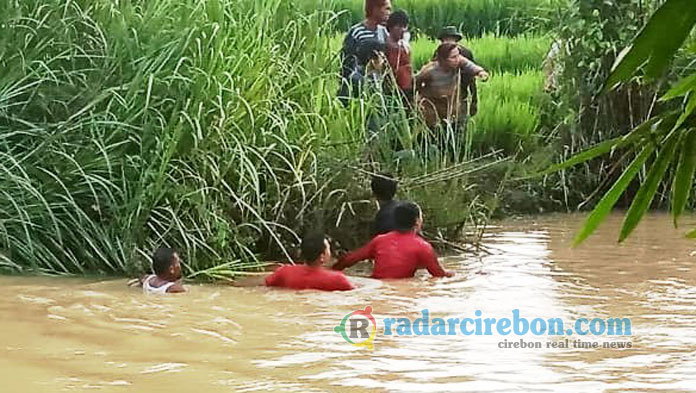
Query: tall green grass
{"x": 509, "y": 112}
{"x": 493, "y": 52}
{"x": 124, "y": 126}
{"x": 474, "y": 17}
{"x": 210, "y": 126}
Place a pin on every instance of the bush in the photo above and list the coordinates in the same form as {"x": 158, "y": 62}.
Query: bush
{"x": 124, "y": 126}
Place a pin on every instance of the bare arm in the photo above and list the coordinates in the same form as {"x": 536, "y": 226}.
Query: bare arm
{"x": 472, "y": 68}
{"x": 250, "y": 281}
{"x": 137, "y": 282}
{"x": 178, "y": 287}
{"x": 429, "y": 261}
{"x": 354, "y": 257}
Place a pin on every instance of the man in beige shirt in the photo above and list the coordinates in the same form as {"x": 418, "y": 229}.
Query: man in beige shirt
{"x": 439, "y": 85}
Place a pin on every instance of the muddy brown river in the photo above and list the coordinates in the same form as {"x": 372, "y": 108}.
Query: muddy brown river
{"x": 64, "y": 334}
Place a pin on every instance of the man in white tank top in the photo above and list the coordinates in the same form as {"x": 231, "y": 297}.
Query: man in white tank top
{"x": 167, "y": 278}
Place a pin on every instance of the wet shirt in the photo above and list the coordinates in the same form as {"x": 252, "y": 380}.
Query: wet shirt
{"x": 435, "y": 81}
{"x": 397, "y": 255}
{"x": 308, "y": 277}
{"x": 468, "y": 82}
{"x": 441, "y": 93}
{"x": 384, "y": 219}
{"x": 399, "y": 57}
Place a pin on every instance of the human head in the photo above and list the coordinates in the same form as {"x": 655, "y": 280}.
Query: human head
{"x": 450, "y": 34}
{"x": 383, "y": 186}
{"x": 397, "y": 24}
{"x": 447, "y": 55}
{"x": 315, "y": 249}
{"x": 408, "y": 217}
{"x": 166, "y": 264}
{"x": 378, "y": 10}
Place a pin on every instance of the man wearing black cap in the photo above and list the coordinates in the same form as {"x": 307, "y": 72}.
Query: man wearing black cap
{"x": 468, "y": 83}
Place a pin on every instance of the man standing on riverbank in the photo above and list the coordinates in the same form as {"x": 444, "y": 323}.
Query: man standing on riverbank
{"x": 399, "y": 54}
{"x": 439, "y": 85}
{"x": 400, "y": 253}
{"x": 467, "y": 82}
{"x": 372, "y": 28}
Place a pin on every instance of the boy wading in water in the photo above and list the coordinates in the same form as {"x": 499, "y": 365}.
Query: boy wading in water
{"x": 316, "y": 252}
{"x": 167, "y": 278}
{"x": 400, "y": 253}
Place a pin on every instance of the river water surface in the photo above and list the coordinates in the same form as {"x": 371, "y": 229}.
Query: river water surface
{"x": 86, "y": 335}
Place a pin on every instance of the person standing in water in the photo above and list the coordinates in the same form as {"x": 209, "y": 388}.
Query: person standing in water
{"x": 400, "y": 253}
{"x": 383, "y": 189}
{"x": 439, "y": 85}
{"x": 450, "y": 34}
{"x": 166, "y": 265}
{"x": 316, "y": 252}
{"x": 372, "y": 28}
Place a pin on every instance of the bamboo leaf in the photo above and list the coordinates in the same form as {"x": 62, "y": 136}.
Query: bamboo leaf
{"x": 688, "y": 110}
{"x": 646, "y": 193}
{"x": 656, "y": 43}
{"x": 684, "y": 178}
{"x": 603, "y": 147}
{"x": 609, "y": 199}
{"x": 684, "y": 86}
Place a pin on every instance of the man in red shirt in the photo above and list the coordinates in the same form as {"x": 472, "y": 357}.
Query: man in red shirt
{"x": 400, "y": 253}
{"x": 315, "y": 251}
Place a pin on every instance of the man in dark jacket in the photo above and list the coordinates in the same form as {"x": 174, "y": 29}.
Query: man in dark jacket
{"x": 384, "y": 188}
{"x": 364, "y": 33}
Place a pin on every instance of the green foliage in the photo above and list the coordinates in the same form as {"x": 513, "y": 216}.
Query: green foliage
{"x": 656, "y": 45}
{"x": 589, "y": 36}
{"x": 125, "y": 126}
{"x": 684, "y": 177}
{"x": 495, "y": 53}
{"x": 674, "y": 20}
{"x": 606, "y": 204}
{"x": 509, "y": 115}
